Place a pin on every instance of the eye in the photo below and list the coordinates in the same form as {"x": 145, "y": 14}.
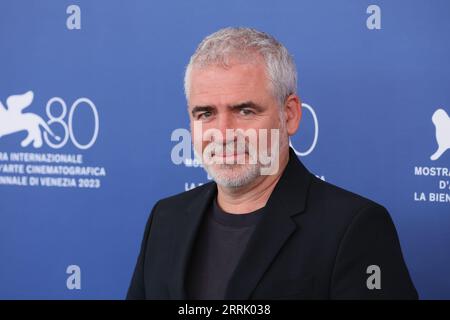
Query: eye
{"x": 246, "y": 112}
{"x": 204, "y": 115}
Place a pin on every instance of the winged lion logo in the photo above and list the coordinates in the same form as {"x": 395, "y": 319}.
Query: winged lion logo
{"x": 12, "y": 120}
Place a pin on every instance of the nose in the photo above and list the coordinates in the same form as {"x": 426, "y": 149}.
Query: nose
{"x": 224, "y": 121}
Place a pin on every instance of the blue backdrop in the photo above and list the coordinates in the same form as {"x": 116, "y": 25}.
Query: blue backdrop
{"x": 107, "y": 78}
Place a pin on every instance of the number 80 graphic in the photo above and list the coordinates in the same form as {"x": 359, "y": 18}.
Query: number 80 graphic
{"x": 68, "y": 127}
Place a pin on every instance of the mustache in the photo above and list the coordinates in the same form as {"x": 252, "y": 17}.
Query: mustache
{"x": 230, "y": 148}
{"x": 219, "y": 152}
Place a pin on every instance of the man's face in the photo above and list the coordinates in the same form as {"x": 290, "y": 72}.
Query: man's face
{"x": 237, "y": 97}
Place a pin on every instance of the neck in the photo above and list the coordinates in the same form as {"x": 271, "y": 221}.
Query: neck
{"x": 252, "y": 196}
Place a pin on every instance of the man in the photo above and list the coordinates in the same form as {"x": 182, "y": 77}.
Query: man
{"x": 281, "y": 233}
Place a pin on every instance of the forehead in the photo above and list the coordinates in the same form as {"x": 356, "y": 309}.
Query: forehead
{"x": 235, "y": 83}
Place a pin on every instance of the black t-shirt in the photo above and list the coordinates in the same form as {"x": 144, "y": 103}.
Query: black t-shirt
{"x": 220, "y": 243}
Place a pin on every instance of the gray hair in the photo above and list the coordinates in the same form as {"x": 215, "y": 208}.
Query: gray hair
{"x": 243, "y": 43}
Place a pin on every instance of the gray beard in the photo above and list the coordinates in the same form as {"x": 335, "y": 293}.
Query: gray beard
{"x": 231, "y": 175}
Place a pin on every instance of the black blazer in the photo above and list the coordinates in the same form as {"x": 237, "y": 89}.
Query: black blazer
{"x": 315, "y": 241}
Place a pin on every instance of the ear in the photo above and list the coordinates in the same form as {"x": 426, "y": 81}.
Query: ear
{"x": 293, "y": 113}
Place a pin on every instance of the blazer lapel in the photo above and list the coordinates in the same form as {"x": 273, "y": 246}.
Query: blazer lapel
{"x": 187, "y": 231}
{"x": 274, "y": 229}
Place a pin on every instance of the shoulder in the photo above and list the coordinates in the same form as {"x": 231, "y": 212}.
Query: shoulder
{"x": 181, "y": 201}
{"x": 336, "y": 206}
{"x": 186, "y": 197}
